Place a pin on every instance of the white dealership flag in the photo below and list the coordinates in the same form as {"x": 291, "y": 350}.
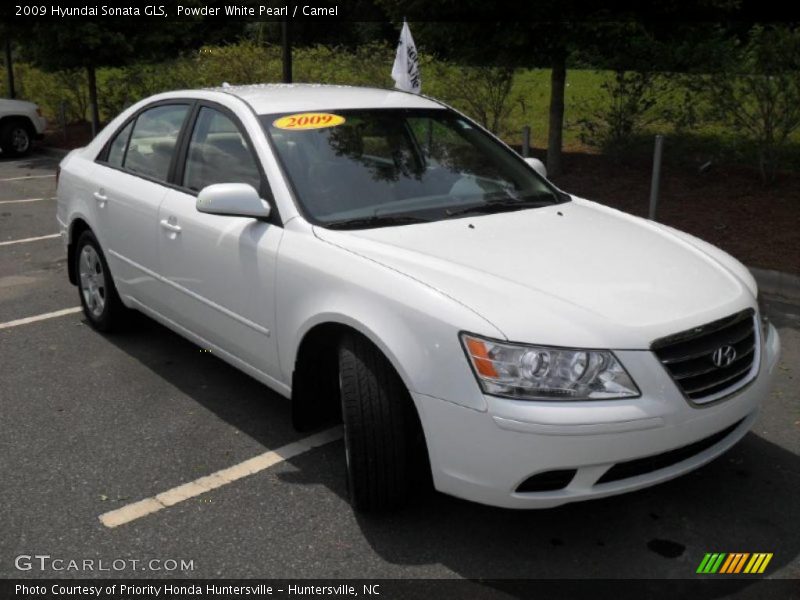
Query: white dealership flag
{"x": 405, "y": 71}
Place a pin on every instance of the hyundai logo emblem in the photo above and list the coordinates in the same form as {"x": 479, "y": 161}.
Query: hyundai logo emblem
{"x": 724, "y": 356}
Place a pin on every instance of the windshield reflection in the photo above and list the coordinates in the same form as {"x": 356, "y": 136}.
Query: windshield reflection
{"x": 421, "y": 164}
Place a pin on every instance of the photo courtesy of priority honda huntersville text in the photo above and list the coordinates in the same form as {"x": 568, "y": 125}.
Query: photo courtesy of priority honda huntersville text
{"x": 380, "y": 258}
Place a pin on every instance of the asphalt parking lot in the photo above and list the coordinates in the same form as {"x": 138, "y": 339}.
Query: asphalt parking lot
{"x": 90, "y": 424}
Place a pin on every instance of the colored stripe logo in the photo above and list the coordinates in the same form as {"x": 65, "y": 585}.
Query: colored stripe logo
{"x": 732, "y": 563}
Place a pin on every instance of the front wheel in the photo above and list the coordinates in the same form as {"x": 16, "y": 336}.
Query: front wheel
{"x": 382, "y": 434}
{"x": 99, "y": 299}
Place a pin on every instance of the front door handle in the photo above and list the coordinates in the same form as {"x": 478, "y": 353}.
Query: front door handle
{"x": 171, "y": 225}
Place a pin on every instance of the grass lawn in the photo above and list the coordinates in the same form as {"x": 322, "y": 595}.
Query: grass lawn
{"x": 533, "y": 87}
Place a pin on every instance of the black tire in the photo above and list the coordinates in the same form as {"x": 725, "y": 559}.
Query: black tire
{"x": 382, "y": 434}
{"x": 113, "y": 314}
{"x": 16, "y": 138}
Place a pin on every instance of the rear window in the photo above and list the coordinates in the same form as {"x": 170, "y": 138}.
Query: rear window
{"x": 116, "y": 152}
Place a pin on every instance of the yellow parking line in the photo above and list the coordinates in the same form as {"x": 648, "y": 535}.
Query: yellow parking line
{"x": 137, "y": 510}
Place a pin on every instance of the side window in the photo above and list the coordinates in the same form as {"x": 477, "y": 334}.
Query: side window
{"x": 218, "y": 153}
{"x": 116, "y": 152}
{"x": 153, "y": 140}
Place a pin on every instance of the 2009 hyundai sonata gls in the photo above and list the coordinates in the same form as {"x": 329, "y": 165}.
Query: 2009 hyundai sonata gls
{"x": 376, "y": 255}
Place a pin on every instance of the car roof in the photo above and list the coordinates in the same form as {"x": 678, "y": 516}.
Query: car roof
{"x": 269, "y": 98}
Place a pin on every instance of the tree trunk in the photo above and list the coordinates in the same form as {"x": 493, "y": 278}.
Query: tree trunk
{"x": 286, "y": 44}
{"x": 92, "y": 79}
{"x": 12, "y": 93}
{"x": 558, "y": 78}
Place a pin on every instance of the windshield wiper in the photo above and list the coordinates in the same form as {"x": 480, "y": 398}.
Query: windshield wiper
{"x": 374, "y": 221}
{"x": 499, "y": 205}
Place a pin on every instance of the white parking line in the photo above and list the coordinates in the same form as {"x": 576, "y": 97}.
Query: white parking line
{"x": 25, "y": 200}
{"x": 33, "y": 239}
{"x": 148, "y": 506}
{"x": 28, "y": 177}
{"x": 44, "y": 317}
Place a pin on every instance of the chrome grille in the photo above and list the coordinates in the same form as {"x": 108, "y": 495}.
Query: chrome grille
{"x": 689, "y": 357}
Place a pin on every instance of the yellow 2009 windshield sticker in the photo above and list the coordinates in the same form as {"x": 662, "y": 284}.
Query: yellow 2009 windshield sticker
{"x": 308, "y": 121}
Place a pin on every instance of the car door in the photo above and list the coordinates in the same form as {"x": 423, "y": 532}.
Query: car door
{"x": 219, "y": 271}
{"x": 104, "y": 172}
{"x": 129, "y": 186}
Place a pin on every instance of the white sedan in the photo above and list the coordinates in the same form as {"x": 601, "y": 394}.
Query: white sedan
{"x": 381, "y": 259}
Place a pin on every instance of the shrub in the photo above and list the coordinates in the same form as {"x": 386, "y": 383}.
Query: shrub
{"x": 367, "y": 65}
{"x": 629, "y": 102}
{"x": 49, "y": 90}
{"x": 757, "y": 93}
{"x": 484, "y": 93}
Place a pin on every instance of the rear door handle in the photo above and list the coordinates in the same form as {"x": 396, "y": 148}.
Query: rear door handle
{"x": 101, "y": 197}
{"x": 170, "y": 225}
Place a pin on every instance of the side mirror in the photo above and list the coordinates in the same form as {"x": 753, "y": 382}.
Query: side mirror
{"x": 232, "y": 200}
{"x": 537, "y": 166}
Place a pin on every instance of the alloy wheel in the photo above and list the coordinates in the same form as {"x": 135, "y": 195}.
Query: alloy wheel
{"x": 93, "y": 281}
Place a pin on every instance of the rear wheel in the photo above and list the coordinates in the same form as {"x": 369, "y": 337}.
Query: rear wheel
{"x": 15, "y": 138}
{"x": 99, "y": 299}
{"x": 382, "y": 435}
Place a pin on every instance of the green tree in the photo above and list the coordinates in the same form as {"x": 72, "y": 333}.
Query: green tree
{"x": 483, "y": 42}
{"x": 88, "y": 44}
{"x": 756, "y": 93}
{"x": 642, "y": 89}
{"x": 487, "y": 91}
{"x": 549, "y": 34}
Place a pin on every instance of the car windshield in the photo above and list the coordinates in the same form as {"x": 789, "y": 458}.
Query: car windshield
{"x": 371, "y": 168}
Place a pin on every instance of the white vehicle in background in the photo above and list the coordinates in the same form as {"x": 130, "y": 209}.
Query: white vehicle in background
{"x": 378, "y": 257}
{"x": 21, "y": 122}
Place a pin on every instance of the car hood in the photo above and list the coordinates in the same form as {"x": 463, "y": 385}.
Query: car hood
{"x": 578, "y": 273}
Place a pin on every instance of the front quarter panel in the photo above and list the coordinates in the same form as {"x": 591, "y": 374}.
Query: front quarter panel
{"x": 415, "y": 326}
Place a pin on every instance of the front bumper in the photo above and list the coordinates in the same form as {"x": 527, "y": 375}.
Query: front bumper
{"x": 485, "y": 456}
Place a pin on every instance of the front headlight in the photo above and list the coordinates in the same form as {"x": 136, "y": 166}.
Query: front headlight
{"x": 544, "y": 373}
